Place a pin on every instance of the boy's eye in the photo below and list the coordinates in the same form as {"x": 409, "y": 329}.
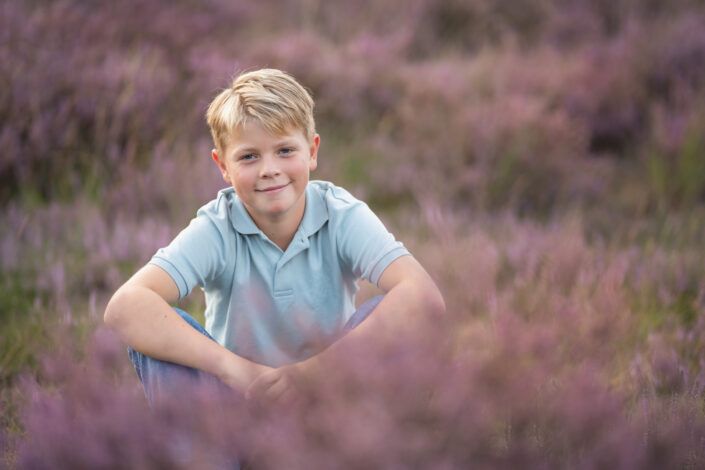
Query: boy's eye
{"x": 248, "y": 156}
{"x": 286, "y": 150}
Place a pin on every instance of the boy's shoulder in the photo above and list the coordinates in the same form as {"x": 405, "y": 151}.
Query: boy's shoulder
{"x": 221, "y": 204}
{"x": 341, "y": 208}
{"x": 227, "y": 212}
{"x": 334, "y": 197}
{"x": 219, "y": 208}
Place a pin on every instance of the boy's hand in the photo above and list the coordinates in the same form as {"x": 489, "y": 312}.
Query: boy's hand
{"x": 275, "y": 386}
{"x": 239, "y": 374}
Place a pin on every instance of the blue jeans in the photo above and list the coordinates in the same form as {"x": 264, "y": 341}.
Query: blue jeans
{"x": 160, "y": 378}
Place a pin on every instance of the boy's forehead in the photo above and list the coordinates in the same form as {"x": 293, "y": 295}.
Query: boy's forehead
{"x": 254, "y": 132}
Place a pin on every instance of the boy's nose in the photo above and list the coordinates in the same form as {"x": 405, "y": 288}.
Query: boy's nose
{"x": 269, "y": 167}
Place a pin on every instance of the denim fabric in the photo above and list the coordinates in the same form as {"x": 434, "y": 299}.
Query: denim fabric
{"x": 361, "y": 313}
{"x": 161, "y": 378}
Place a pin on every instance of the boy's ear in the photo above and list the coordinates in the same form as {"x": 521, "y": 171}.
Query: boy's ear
{"x": 313, "y": 158}
{"x": 221, "y": 165}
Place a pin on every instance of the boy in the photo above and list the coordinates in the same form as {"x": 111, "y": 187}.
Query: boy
{"x": 277, "y": 256}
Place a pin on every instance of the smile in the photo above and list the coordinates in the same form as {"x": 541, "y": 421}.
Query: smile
{"x": 273, "y": 189}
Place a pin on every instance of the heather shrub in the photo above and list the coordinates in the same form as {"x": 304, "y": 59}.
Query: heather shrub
{"x": 539, "y": 362}
{"x": 484, "y": 133}
{"x": 543, "y": 161}
{"x": 103, "y": 89}
{"x": 515, "y": 115}
{"x": 676, "y": 171}
{"x": 497, "y": 390}
{"x": 638, "y": 97}
{"x": 59, "y": 261}
{"x": 470, "y": 26}
{"x": 90, "y": 417}
{"x": 61, "y": 128}
{"x": 647, "y": 69}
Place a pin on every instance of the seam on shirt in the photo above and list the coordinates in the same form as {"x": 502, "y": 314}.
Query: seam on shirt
{"x": 283, "y": 292}
{"x": 343, "y": 195}
{"x": 385, "y": 261}
{"x": 172, "y": 271}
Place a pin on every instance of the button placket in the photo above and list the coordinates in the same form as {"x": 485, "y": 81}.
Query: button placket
{"x": 297, "y": 245}
{"x": 279, "y": 289}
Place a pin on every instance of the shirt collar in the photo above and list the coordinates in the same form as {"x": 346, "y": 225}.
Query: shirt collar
{"x": 239, "y": 218}
{"x": 315, "y": 213}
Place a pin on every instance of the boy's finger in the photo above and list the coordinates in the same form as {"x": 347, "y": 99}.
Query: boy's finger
{"x": 276, "y": 389}
{"x": 261, "y": 384}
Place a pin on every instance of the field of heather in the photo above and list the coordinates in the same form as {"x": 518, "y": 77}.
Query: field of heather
{"x": 543, "y": 159}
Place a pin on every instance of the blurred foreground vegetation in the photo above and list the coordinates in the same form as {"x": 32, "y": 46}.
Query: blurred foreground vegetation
{"x": 544, "y": 160}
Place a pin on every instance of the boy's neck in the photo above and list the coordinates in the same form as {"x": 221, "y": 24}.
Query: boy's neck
{"x": 281, "y": 230}
{"x": 282, "y": 240}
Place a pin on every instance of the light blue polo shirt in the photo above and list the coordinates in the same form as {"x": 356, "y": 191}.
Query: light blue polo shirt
{"x": 271, "y": 306}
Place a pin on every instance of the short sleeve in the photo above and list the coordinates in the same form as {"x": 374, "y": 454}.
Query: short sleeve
{"x": 195, "y": 257}
{"x": 364, "y": 243}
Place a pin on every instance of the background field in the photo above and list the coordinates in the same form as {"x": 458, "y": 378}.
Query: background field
{"x": 544, "y": 159}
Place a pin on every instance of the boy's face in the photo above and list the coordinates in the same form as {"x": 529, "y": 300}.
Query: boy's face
{"x": 269, "y": 173}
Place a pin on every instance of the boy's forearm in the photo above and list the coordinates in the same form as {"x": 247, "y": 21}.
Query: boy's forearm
{"x": 398, "y": 308}
{"x": 149, "y": 325}
{"x": 405, "y": 300}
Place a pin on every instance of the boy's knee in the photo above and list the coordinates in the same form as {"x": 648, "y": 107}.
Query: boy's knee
{"x": 363, "y": 312}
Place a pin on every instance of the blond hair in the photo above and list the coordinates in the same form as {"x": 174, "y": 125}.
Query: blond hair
{"x": 269, "y": 97}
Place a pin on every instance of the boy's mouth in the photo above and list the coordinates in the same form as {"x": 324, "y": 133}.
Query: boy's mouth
{"x": 273, "y": 189}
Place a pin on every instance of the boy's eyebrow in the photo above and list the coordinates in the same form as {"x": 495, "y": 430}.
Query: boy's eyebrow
{"x": 251, "y": 148}
{"x": 244, "y": 148}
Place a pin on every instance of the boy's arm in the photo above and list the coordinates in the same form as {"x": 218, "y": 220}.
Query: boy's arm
{"x": 140, "y": 313}
{"x": 410, "y": 291}
{"x": 409, "y": 288}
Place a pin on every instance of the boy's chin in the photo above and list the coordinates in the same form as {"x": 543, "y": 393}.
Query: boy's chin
{"x": 274, "y": 210}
